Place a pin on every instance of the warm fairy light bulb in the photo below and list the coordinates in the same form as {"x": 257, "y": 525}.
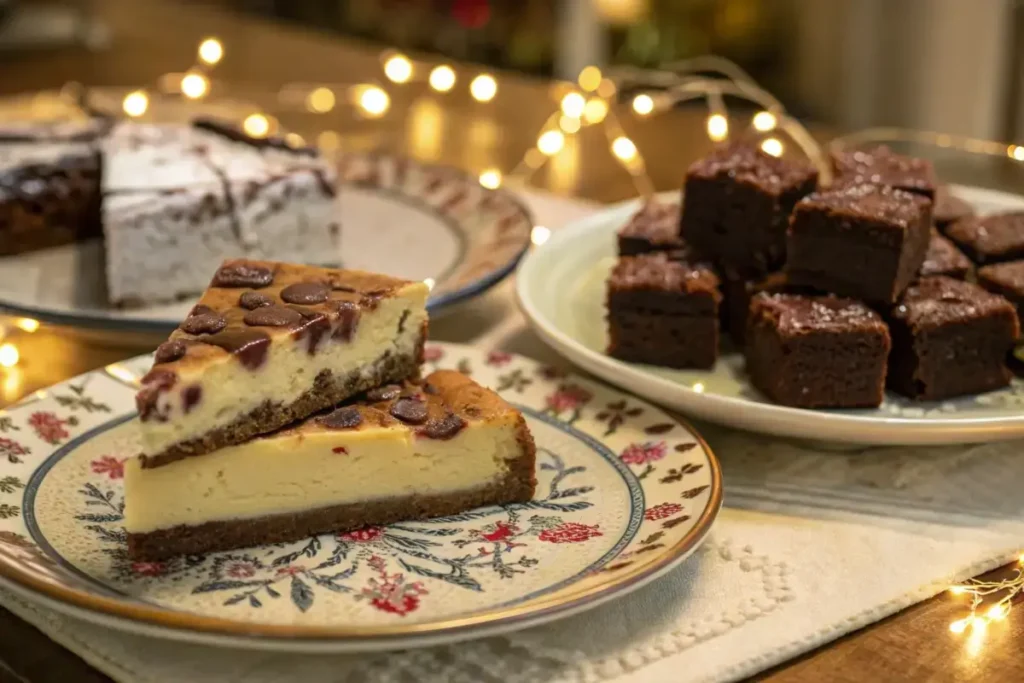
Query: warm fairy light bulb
{"x": 328, "y": 140}
{"x": 321, "y": 100}
{"x": 295, "y": 140}
{"x": 398, "y": 69}
{"x": 1015, "y": 152}
{"x": 595, "y": 111}
{"x": 429, "y": 282}
{"x": 997, "y": 612}
{"x": 764, "y": 121}
{"x": 28, "y": 324}
{"x": 623, "y": 148}
{"x": 9, "y": 355}
{"x": 607, "y": 88}
{"x": 958, "y": 626}
{"x": 211, "y": 51}
{"x": 590, "y": 78}
{"x": 135, "y": 103}
{"x": 979, "y": 624}
{"x": 551, "y": 142}
{"x": 483, "y": 88}
{"x": 540, "y": 234}
{"x": 442, "y": 78}
{"x": 772, "y": 146}
{"x": 569, "y": 124}
{"x": 643, "y": 104}
{"x": 491, "y": 178}
{"x": 1021, "y": 558}
{"x": 573, "y": 105}
{"x": 718, "y": 127}
{"x": 957, "y": 590}
{"x": 194, "y": 86}
{"x": 374, "y": 101}
{"x": 256, "y": 125}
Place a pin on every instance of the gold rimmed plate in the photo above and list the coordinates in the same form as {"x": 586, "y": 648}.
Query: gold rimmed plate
{"x": 625, "y": 493}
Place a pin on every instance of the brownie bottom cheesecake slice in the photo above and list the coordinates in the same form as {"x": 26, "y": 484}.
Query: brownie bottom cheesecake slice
{"x": 401, "y": 452}
{"x": 272, "y": 343}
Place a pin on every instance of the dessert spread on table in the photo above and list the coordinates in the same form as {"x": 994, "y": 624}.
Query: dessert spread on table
{"x": 883, "y": 279}
{"x": 169, "y": 201}
{"x": 289, "y": 403}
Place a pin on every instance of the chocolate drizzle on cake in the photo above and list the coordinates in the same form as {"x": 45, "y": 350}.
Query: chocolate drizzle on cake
{"x": 409, "y": 411}
{"x": 306, "y": 293}
{"x": 443, "y": 428}
{"x": 348, "y": 417}
{"x": 169, "y": 351}
{"x": 250, "y": 346}
{"x": 204, "y": 323}
{"x": 243, "y": 275}
{"x": 272, "y": 316}
{"x": 252, "y": 300}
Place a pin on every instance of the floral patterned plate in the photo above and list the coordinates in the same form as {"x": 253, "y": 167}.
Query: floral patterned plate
{"x": 625, "y": 493}
{"x": 561, "y": 289}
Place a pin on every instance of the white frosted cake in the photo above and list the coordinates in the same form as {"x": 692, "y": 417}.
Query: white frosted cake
{"x": 180, "y": 200}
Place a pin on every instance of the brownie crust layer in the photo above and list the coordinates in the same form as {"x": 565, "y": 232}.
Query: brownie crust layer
{"x": 328, "y": 390}
{"x": 516, "y": 487}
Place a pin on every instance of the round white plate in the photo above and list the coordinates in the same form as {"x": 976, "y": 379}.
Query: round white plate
{"x": 561, "y": 289}
{"x": 625, "y": 493}
{"x": 398, "y": 217}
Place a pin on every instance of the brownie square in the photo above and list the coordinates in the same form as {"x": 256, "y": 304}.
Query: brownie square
{"x": 1007, "y": 280}
{"x": 737, "y": 292}
{"x": 943, "y": 258}
{"x": 655, "y": 227}
{"x": 948, "y": 208}
{"x": 950, "y": 338}
{"x": 737, "y": 202}
{"x": 881, "y": 166}
{"x": 816, "y": 351}
{"x": 863, "y": 241}
{"x": 663, "y": 310}
{"x": 990, "y": 239}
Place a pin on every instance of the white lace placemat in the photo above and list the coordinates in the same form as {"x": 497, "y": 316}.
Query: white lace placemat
{"x": 813, "y": 543}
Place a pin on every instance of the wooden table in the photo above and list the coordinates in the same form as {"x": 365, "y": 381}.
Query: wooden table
{"x": 157, "y": 36}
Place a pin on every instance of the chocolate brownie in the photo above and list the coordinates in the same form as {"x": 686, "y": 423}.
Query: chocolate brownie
{"x": 990, "y": 239}
{"x": 943, "y": 258}
{"x": 862, "y": 241}
{"x": 881, "y": 166}
{"x": 948, "y": 208}
{"x": 663, "y": 310}
{"x": 816, "y": 351}
{"x": 655, "y": 227}
{"x": 950, "y": 338}
{"x": 737, "y": 202}
{"x": 737, "y": 291}
{"x": 1006, "y": 279}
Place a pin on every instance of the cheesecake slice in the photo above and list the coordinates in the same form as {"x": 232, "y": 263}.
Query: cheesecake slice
{"x": 399, "y": 452}
{"x": 271, "y": 343}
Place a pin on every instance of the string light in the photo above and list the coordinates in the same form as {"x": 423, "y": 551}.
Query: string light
{"x": 718, "y": 127}
{"x": 256, "y": 125}
{"x": 491, "y": 178}
{"x": 374, "y": 101}
{"x": 194, "y": 85}
{"x": 551, "y": 142}
{"x": 321, "y": 100}
{"x": 539, "y": 235}
{"x": 595, "y": 111}
{"x": 398, "y": 69}
{"x": 295, "y": 140}
{"x": 28, "y": 324}
{"x": 135, "y": 103}
{"x": 573, "y": 105}
{"x": 569, "y": 124}
{"x": 772, "y": 146}
{"x": 623, "y": 148}
{"x": 643, "y": 104}
{"x": 9, "y": 355}
{"x": 442, "y": 78}
{"x": 997, "y": 596}
{"x": 483, "y": 88}
{"x": 607, "y": 88}
{"x": 328, "y": 140}
{"x": 590, "y": 78}
{"x": 211, "y": 51}
{"x": 1015, "y": 152}
{"x": 764, "y": 121}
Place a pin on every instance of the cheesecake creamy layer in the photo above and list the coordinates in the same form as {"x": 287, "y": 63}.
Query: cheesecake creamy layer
{"x": 227, "y": 390}
{"x": 295, "y": 471}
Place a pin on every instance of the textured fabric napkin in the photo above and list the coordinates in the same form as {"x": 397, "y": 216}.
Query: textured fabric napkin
{"x": 813, "y": 543}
